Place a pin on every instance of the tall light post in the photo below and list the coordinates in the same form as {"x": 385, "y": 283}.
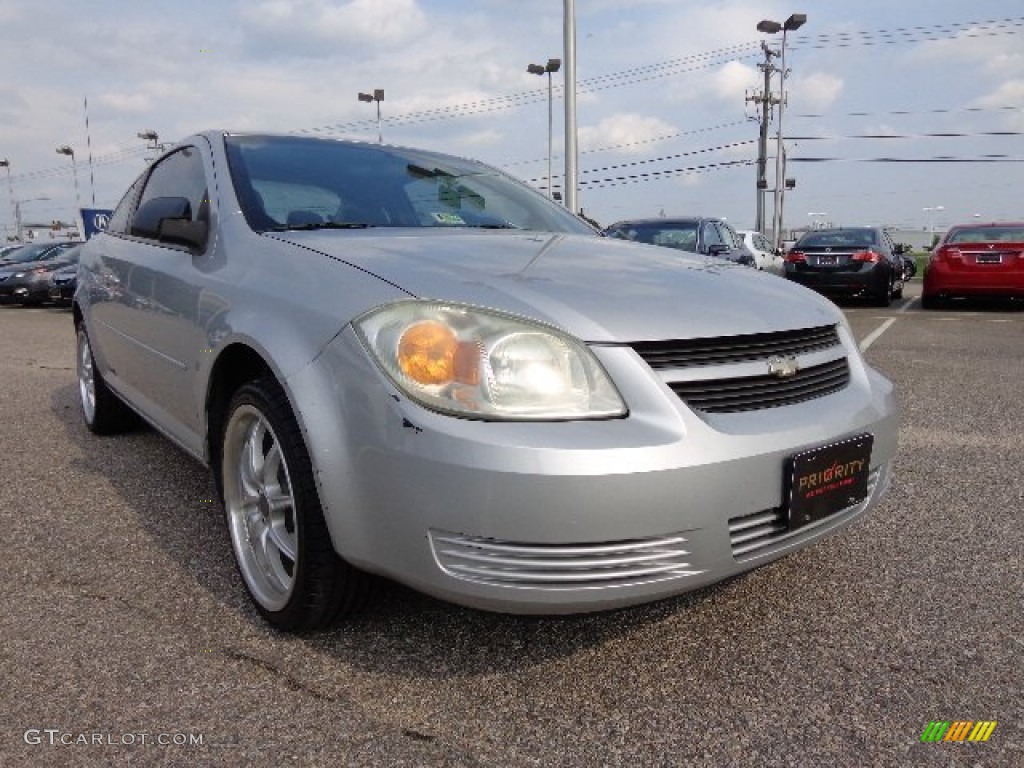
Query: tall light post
{"x": 931, "y": 220}
{"x": 377, "y": 96}
{"x": 148, "y": 134}
{"x": 64, "y": 149}
{"x": 6, "y": 165}
{"x": 794, "y": 22}
{"x": 551, "y": 67}
{"x": 17, "y": 211}
{"x": 571, "y": 181}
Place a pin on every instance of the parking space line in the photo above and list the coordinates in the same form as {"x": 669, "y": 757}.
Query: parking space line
{"x": 873, "y": 336}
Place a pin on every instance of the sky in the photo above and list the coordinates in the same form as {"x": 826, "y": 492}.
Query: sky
{"x": 664, "y": 124}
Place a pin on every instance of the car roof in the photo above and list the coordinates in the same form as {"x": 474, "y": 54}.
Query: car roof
{"x": 663, "y": 220}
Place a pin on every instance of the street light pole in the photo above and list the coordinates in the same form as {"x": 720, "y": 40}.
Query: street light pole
{"x": 377, "y": 96}
{"x": 67, "y": 150}
{"x": 552, "y": 66}
{"x": 794, "y": 22}
{"x": 569, "y": 93}
{"x": 148, "y": 134}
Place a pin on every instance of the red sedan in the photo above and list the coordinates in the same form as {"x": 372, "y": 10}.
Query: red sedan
{"x": 976, "y": 260}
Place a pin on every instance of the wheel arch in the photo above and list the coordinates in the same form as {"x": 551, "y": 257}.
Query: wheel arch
{"x": 235, "y": 365}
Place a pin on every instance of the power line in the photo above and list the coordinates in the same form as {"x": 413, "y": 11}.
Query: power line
{"x": 891, "y": 112}
{"x": 636, "y": 178}
{"x": 658, "y": 70}
{"x": 938, "y": 159}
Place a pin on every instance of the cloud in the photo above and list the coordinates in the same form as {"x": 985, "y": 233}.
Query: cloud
{"x": 126, "y": 103}
{"x": 816, "y": 91}
{"x": 630, "y": 133}
{"x": 732, "y": 81}
{"x": 320, "y": 27}
{"x": 999, "y": 55}
{"x": 1007, "y": 94}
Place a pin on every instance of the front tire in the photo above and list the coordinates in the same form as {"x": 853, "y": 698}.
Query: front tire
{"x": 102, "y": 410}
{"x": 280, "y": 539}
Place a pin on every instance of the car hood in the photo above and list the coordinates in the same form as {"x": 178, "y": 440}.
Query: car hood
{"x": 598, "y": 289}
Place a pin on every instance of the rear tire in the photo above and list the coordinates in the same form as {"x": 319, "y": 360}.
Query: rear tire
{"x": 932, "y": 302}
{"x": 882, "y": 299}
{"x": 282, "y": 546}
{"x": 103, "y": 411}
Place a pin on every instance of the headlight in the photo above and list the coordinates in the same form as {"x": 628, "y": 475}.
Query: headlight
{"x": 484, "y": 364}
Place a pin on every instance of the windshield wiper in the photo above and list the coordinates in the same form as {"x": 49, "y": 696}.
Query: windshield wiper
{"x": 321, "y": 225}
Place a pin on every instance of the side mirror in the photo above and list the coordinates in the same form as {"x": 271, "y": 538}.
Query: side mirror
{"x": 717, "y": 249}
{"x": 169, "y": 220}
{"x": 184, "y": 232}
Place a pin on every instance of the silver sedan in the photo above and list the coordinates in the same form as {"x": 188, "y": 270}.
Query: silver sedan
{"x": 401, "y": 363}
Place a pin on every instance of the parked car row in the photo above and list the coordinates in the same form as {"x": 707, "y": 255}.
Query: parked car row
{"x": 970, "y": 260}
{"x": 27, "y": 273}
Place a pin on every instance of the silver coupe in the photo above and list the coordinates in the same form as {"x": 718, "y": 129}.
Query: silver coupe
{"x": 406, "y": 364}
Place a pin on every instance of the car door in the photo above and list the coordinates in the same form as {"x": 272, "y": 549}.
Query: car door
{"x": 711, "y": 242}
{"x": 149, "y": 325}
{"x": 774, "y": 261}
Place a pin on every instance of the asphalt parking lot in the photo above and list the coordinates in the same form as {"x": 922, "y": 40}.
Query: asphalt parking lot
{"x": 126, "y": 638}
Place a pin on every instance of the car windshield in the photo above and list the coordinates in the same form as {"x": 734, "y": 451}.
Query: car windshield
{"x": 296, "y": 183}
{"x": 838, "y": 237}
{"x": 987, "y": 235}
{"x": 681, "y": 235}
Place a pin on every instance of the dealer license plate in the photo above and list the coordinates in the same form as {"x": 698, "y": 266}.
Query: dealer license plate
{"x": 825, "y": 480}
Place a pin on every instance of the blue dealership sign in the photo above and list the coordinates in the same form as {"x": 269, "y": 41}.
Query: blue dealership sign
{"x": 94, "y": 220}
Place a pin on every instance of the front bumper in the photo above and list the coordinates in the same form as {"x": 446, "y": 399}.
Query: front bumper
{"x": 574, "y": 516}
{"x": 21, "y": 290}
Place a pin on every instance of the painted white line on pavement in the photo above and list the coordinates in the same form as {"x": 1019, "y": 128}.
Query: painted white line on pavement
{"x": 873, "y": 336}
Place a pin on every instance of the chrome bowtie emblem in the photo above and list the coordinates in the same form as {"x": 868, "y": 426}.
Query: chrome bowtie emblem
{"x": 783, "y": 367}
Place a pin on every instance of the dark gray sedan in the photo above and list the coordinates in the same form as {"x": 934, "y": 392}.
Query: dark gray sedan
{"x": 26, "y": 279}
{"x": 403, "y": 363}
{"x": 859, "y": 262}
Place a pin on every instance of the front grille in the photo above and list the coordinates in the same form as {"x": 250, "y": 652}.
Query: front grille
{"x": 750, "y": 535}
{"x": 685, "y": 353}
{"x": 749, "y": 393}
{"x": 562, "y": 566}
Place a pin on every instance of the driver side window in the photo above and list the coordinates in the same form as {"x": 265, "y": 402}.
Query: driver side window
{"x": 180, "y": 174}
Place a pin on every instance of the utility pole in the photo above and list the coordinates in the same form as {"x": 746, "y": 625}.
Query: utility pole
{"x": 767, "y": 100}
